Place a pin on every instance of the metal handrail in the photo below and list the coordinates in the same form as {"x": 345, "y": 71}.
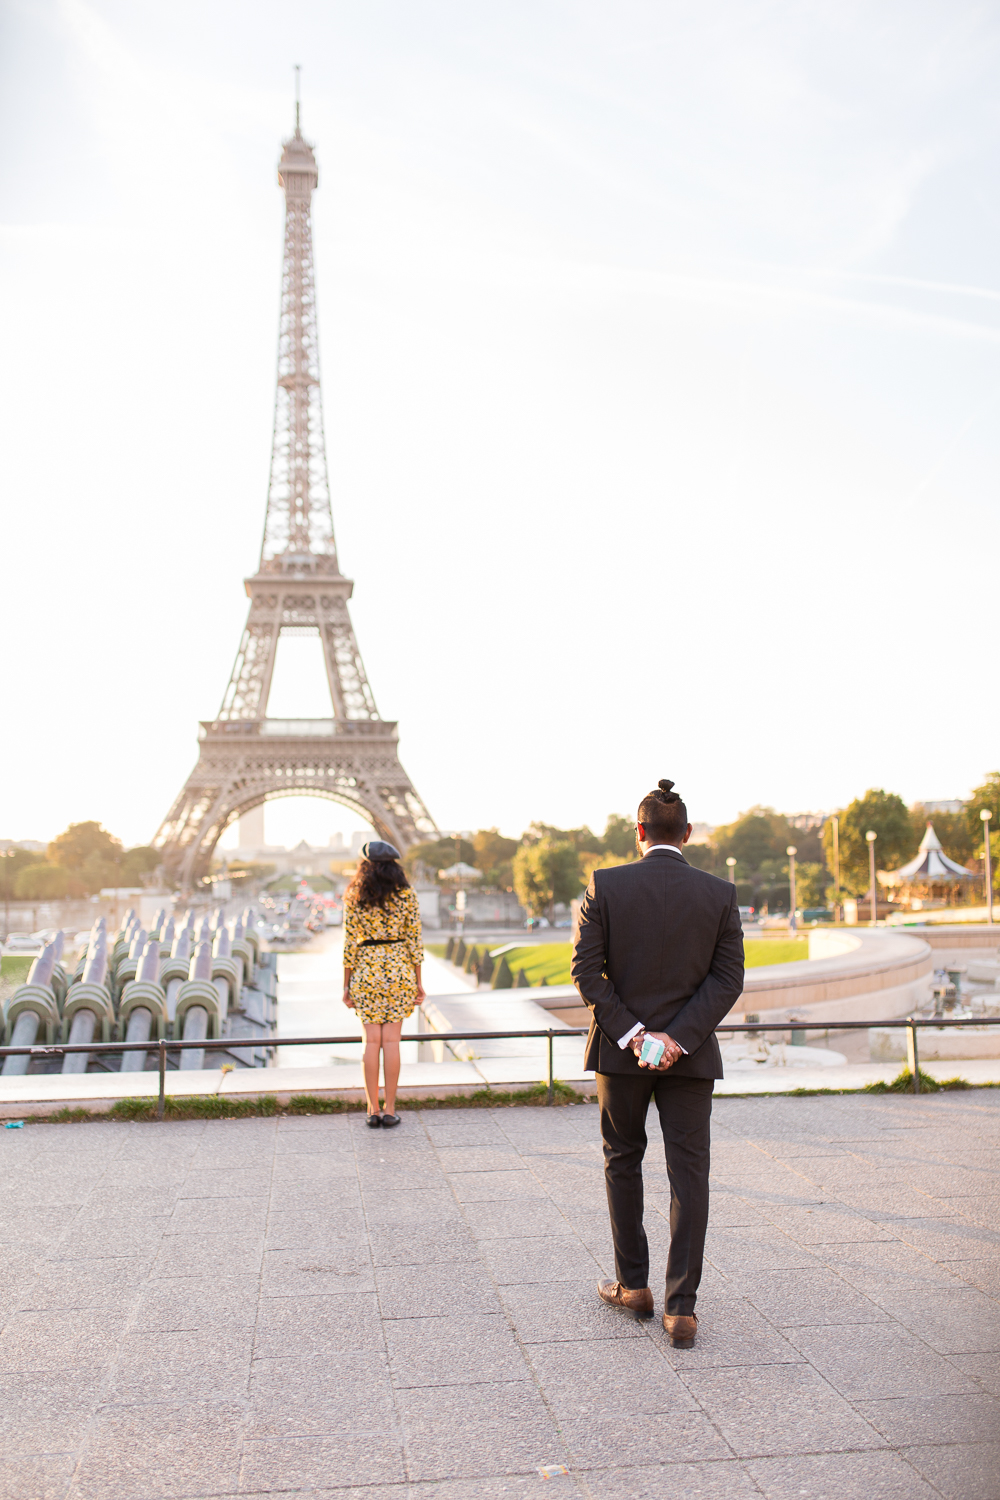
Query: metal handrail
{"x": 228, "y": 1044}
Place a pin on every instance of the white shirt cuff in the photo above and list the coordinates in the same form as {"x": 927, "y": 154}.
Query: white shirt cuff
{"x": 634, "y": 1032}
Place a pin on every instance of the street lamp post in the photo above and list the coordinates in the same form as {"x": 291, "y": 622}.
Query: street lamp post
{"x": 6, "y": 854}
{"x": 791, "y": 851}
{"x": 730, "y": 861}
{"x": 871, "y": 837}
{"x": 836, "y": 867}
{"x": 986, "y": 815}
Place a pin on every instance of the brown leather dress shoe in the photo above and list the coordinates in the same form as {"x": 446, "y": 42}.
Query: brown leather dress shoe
{"x": 638, "y": 1303}
{"x": 681, "y": 1329}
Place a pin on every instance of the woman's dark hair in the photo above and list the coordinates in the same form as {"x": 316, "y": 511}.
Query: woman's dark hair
{"x": 662, "y": 814}
{"x": 375, "y": 880}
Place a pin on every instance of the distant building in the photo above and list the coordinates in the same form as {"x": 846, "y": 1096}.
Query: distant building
{"x": 807, "y": 821}
{"x": 954, "y": 806}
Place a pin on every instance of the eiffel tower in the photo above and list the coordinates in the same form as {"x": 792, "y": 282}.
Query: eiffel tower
{"x": 245, "y": 758}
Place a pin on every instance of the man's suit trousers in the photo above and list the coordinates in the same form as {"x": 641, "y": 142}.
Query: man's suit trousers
{"x": 685, "y": 1110}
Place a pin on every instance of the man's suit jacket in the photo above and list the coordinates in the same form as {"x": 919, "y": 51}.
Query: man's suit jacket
{"x": 660, "y": 943}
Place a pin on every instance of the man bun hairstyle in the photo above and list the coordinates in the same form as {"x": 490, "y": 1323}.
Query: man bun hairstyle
{"x": 663, "y": 815}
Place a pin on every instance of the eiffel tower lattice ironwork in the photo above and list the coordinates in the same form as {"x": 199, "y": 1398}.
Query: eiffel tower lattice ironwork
{"x": 244, "y": 757}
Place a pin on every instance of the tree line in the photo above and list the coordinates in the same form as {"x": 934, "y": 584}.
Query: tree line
{"x": 79, "y": 863}
{"x": 757, "y": 840}
{"x": 547, "y": 866}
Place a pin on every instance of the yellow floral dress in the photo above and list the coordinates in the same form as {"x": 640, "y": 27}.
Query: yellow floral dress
{"x": 383, "y": 984}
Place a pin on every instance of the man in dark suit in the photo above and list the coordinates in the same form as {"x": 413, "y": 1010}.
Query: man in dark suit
{"x": 659, "y": 953}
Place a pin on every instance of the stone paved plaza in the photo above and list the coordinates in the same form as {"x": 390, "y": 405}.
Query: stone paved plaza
{"x": 303, "y": 1305}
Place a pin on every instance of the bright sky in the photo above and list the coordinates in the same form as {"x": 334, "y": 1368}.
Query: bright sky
{"x": 661, "y": 350}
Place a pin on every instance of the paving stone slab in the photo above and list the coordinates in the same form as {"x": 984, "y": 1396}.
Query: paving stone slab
{"x": 883, "y": 1360}
{"x": 962, "y": 1471}
{"x": 950, "y": 1321}
{"x": 189, "y": 1303}
{"x": 38, "y": 1228}
{"x": 808, "y": 1298}
{"x": 136, "y": 1198}
{"x": 491, "y": 1158}
{"x": 518, "y": 1262}
{"x": 839, "y": 1476}
{"x": 755, "y": 1249}
{"x": 314, "y": 1273}
{"x": 63, "y": 1339}
{"x": 599, "y": 1442}
{"x": 826, "y": 1224}
{"x": 598, "y": 1379}
{"x": 318, "y": 1326}
{"x": 906, "y": 1420}
{"x": 780, "y": 1409}
{"x": 354, "y": 1457}
{"x": 462, "y": 1431}
{"x": 428, "y": 1206}
{"x": 731, "y": 1331}
{"x": 292, "y": 1197}
{"x": 515, "y": 1218}
{"x": 208, "y": 1255}
{"x": 544, "y": 1313}
{"x": 445, "y": 1351}
{"x": 327, "y": 1167}
{"x": 495, "y": 1187}
{"x": 418, "y": 1245}
{"x": 983, "y": 1274}
{"x": 982, "y": 1208}
{"x": 167, "y": 1376}
{"x": 718, "y": 1479}
{"x": 87, "y": 1283}
{"x": 982, "y": 1368}
{"x": 315, "y": 1229}
{"x": 880, "y": 1266}
{"x": 449, "y": 1288}
{"x": 727, "y": 1210}
{"x": 180, "y": 1449}
{"x": 36, "y": 1476}
{"x": 319, "y": 1397}
{"x": 949, "y": 1239}
{"x": 493, "y": 1487}
{"x": 216, "y": 1216}
{"x": 463, "y": 1127}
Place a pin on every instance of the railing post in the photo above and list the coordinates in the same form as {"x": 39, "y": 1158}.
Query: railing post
{"x": 161, "y": 1103}
{"x": 912, "y": 1054}
{"x": 552, "y": 1081}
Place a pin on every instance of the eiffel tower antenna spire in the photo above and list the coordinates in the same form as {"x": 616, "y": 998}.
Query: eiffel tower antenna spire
{"x": 245, "y": 757}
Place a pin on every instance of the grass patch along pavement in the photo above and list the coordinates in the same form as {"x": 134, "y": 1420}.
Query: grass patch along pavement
{"x": 225, "y": 1107}
{"x": 550, "y": 961}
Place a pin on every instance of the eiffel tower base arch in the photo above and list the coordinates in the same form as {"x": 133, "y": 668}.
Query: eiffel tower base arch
{"x": 242, "y": 764}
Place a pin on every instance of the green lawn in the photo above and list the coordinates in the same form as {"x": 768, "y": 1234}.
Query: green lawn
{"x": 539, "y": 961}
{"x": 15, "y": 969}
{"x": 760, "y": 951}
{"x": 550, "y": 961}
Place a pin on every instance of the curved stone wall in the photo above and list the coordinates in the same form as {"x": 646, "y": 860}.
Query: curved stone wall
{"x": 853, "y": 975}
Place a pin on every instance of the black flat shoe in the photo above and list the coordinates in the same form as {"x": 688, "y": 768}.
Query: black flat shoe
{"x": 373, "y": 1122}
{"x": 388, "y": 1121}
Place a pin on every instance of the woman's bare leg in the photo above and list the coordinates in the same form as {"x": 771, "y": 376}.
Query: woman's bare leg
{"x": 373, "y": 1042}
{"x": 390, "y": 1054}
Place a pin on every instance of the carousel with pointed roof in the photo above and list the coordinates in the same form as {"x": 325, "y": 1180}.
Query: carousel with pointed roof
{"x": 929, "y": 880}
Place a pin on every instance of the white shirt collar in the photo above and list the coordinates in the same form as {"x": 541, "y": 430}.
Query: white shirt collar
{"x": 674, "y": 847}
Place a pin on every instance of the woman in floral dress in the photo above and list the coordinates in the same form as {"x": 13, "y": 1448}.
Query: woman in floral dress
{"x": 383, "y": 951}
